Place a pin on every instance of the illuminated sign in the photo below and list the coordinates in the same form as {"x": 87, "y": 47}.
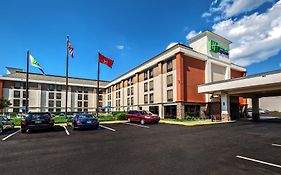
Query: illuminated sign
{"x": 216, "y": 48}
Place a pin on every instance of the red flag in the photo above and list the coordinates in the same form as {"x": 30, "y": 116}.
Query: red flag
{"x": 105, "y": 60}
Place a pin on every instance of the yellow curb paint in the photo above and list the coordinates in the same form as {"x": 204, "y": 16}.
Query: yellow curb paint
{"x": 194, "y": 123}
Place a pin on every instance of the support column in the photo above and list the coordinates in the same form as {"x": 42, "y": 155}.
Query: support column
{"x": 225, "y": 107}
{"x": 180, "y": 111}
{"x": 256, "y": 110}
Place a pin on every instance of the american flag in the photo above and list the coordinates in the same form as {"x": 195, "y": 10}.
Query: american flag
{"x": 70, "y": 48}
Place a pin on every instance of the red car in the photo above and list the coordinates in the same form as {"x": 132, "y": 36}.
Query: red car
{"x": 142, "y": 117}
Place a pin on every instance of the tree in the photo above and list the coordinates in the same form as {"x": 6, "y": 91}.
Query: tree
{"x": 4, "y": 103}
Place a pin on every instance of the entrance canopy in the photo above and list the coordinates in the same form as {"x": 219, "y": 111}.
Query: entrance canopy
{"x": 259, "y": 85}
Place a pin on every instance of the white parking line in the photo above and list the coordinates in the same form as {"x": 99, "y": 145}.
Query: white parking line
{"x": 143, "y": 126}
{"x": 259, "y": 161}
{"x": 10, "y": 135}
{"x": 66, "y": 131}
{"x": 274, "y": 144}
{"x": 105, "y": 127}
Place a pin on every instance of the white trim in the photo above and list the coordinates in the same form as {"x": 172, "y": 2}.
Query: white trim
{"x": 47, "y": 82}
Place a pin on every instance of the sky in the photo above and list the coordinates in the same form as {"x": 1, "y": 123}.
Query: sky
{"x": 131, "y": 32}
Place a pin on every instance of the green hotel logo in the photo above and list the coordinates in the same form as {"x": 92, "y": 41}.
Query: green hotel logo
{"x": 216, "y": 48}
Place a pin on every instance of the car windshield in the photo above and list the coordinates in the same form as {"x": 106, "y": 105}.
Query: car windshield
{"x": 37, "y": 116}
{"x": 143, "y": 112}
{"x": 85, "y": 116}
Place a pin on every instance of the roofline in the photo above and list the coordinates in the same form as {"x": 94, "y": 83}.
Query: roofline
{"x": 60, "y": 76}
{"x": 205, "y": 32}
{"x": 151, "y": 59}
{"x": 241, "y": 78}
{"x": 48, "y": 82}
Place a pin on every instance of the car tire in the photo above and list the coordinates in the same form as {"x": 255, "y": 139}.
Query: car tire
{"x": 1, "y": 130}
{"x": 129, "y": 120}
{"x": 142, "y": 121}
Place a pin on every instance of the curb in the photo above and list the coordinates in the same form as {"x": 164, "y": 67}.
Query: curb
{"x": 195, "y": 124}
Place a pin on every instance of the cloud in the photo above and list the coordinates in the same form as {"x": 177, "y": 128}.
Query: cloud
{"x": 255, "y": 37}
{"x": 230, "y": 8}
{"x": 120, "y": 47}
{"x": 191, "y": 34}
{"x": 171, "y": 45}
{"x": 280, "y": 65}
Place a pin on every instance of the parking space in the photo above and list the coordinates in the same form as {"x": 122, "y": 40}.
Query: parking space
{"x": 237, "y": 148}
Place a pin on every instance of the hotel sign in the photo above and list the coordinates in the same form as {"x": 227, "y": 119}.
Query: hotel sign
{"x": 216, "y": 48}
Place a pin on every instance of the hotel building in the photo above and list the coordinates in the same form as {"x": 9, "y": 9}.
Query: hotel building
{"x": 166, "y": 84}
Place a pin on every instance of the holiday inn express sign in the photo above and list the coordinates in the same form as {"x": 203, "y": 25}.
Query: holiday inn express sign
{"x": 216, "y": 48}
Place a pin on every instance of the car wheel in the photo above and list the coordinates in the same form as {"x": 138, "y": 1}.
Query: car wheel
{"x": 142, "y": 121}
{"x": 1, "y": 130}
{"x": 129, "y": 120}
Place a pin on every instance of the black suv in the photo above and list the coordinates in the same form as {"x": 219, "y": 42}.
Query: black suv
{"x": 37, "y": 120}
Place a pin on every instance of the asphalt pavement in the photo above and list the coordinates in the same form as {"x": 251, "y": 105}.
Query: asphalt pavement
{"x": 155, "y": 149}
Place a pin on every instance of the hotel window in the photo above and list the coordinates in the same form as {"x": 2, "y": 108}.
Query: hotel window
{"x": 17, "y": 85}
{"x": 79, "y": 110}
{"x": 79, "y": 96}
{"x": 100, "y": 104}
{"x": 128, "y": 101}
{"x": 51, "y": 103}
{"x": 85, "y": 110}
{"x": 151, "y": 98}
{"x": 58, "y": 103}
{"x": 58, "y": 110}
{"x": 100, "y": 97}
{"x": 145, "y": 75}
{"x": 86, "y": 90}
{"x": 23, "y": 103}
{"x": 145, "y": 99}
{"x": 51, "y": 110}
{"x": 169, "y": 80}
{"x": 132, "y": 90}
{"x": 80, "y": 89}
{"x": 170, "y": 95}
{"x": 151, "y": 85}
{"x": 51, "y": 95}
{"x": 51, "y": 87}
{"x": 58, "y": 95}
{"x": 79, "y": 103}
{"x": 118, "y": 86}
{"x": 86, "y": 104}
{"x": 109, "y": 96}
{"x": 145, "y": 87}
{"x": 16, "y": 94}
{"x": 16, "y": 110}
{"x": 132, "y": 101}
{"x": 109, "y": 103}
{"x": 16, "y": 102}
{"x": 59, "y": 87}
{"x": 23, "y": 94}
{"x": 85, "y": 97}
{"x": 169, "y": 65}
{"x": 128, "y": 92}
{"x": 151, "y": 73}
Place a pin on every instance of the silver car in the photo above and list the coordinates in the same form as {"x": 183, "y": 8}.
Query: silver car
{"x": 6, "y": 124}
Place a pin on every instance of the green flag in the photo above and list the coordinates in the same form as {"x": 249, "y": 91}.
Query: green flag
{"x": 34, "y": 63}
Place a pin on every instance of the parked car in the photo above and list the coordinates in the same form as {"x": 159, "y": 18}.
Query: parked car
{"x": 142, "y": 117}
{"x": 37, "y": 120}
{"x": 85, "y": 121}
{"x": 6, "y": 124}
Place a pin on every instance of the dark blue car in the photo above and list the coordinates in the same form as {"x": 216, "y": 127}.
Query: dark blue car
{"x": 85, "y": 121}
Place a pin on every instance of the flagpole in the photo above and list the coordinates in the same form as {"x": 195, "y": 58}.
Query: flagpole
{"x": 98, "y": 89}
{"x": 26, "y": 82}
{"x": 66, "y": 76}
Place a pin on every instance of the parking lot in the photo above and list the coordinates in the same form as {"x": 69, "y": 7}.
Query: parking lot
{"x": 238, "y": 148}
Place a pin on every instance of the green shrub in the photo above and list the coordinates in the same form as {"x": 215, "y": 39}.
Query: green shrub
{"x": 60, "y": 119}
{"x": 16, "y": 121}
{"x": 121, "y": 116}
{"x": 106, "y": 117}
